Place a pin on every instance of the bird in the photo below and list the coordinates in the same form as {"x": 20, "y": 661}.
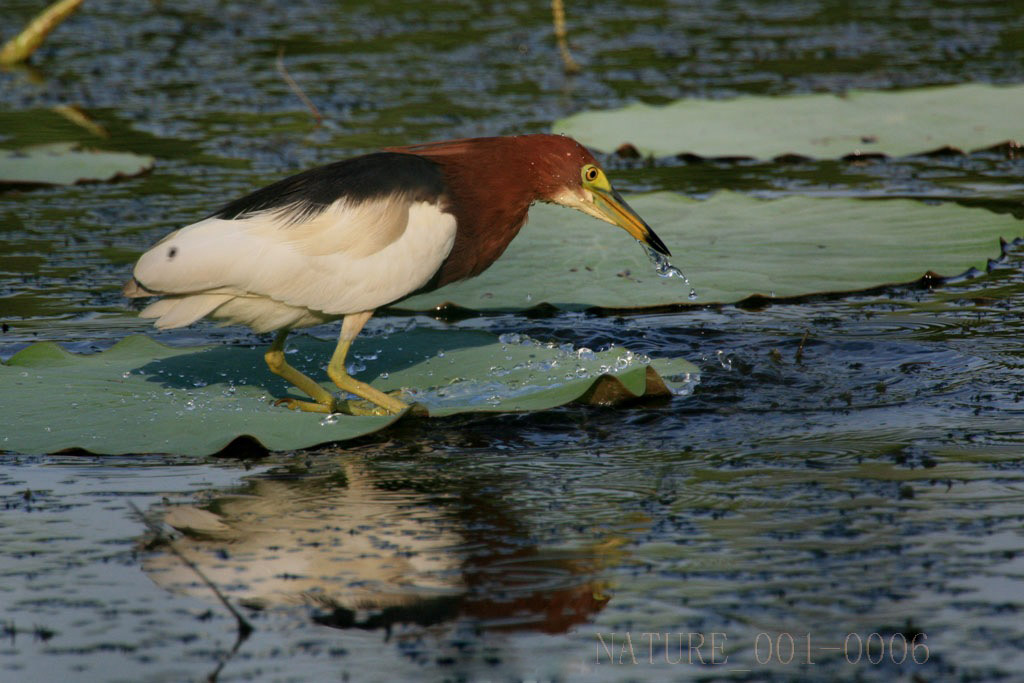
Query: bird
{"x": 342, "y": 240}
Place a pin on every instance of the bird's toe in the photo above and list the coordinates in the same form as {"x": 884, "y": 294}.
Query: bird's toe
{"x": 304, "y": 406}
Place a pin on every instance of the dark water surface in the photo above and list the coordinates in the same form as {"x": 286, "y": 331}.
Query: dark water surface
{"x": 870, "y": 483}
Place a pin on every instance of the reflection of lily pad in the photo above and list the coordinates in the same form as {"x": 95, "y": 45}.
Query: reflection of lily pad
{"x": 731, "y": 246}
{"x": 896, "y": 123}
{"x": 144, "y": 397}
{"x": 63, "y": 163}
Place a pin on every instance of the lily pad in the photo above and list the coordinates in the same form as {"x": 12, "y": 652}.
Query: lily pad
{"x": 895, "y": 123}
{"x": 731, "y": 246}
{"x": 143, "y": 397}
{"x": 63, "y": 163}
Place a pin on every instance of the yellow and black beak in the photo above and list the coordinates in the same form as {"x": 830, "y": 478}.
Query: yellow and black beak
{"x": 617, "y": 211}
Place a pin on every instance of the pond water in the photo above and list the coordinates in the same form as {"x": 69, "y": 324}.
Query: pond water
{"x": 841, "y": 497}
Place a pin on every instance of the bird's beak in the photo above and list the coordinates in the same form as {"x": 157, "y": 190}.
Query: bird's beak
{"x": 615, "y": 210}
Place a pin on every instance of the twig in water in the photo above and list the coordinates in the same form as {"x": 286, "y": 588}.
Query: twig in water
{"x": 244, "y": 627}
{"x": 800, "y": 349}
{"x": 296, "y": 89}
{"x": 558, "y": 12}
{"x": 78, "y": 117}
{"x": 20, "y": 47}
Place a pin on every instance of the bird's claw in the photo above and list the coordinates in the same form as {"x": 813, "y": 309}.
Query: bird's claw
{"x": 304, "y": 406}
{"x": 347, "y": 407}
{"x": 363, "y": 408}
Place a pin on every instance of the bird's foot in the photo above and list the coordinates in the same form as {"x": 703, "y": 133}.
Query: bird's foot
{"x": 349, "y": 406}
{"x": 367, "y": 407}
{"x": 306, "y": 406}
{"x": 361, "y": 407}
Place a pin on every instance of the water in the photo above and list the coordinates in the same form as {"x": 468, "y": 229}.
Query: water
{"x": 665, "y": 269}
{"x": 846, "y": 465}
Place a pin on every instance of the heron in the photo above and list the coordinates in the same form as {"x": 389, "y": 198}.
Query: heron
{"x": 342, "y": 240}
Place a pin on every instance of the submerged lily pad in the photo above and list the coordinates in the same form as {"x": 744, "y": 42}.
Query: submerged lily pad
{"x": 731, "y": 246}
{"x": 143, "y": 397}
{"x": 896, "y": 123}
{"x": 63, "y": 163}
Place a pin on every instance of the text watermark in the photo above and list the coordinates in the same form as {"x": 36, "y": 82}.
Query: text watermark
{"x": 714, "y": 648}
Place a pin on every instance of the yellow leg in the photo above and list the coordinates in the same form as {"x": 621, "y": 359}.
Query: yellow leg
{"x": 325, "y": 402}
{"x": 350, "y": 327}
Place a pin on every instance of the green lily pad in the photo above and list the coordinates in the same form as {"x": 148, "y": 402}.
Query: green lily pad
{"x": 63, "y": 163}
{"x": 731, "y": 246}
{"x": 143, "y": 397}
{"x": 895, "y": 123}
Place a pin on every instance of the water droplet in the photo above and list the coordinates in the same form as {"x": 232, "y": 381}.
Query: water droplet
{"x": 529, "y": 298}
{"x": 384, "y": 375}
{"x": 126, "y": 374}
{"x": 190, "y": 404}
{"x": 692, "y": 295}
{"x": 199, "y": 383}
{"x": 330, "y": 419}
{"x": 664, "y": 268}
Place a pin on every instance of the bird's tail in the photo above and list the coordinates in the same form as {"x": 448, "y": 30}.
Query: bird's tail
{"x": 133, "y": 289}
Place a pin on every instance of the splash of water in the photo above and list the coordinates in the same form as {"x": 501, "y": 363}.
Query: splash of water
{"x": 664, "y": 268}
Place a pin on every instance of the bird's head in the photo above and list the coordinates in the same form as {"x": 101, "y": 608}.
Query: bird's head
{"x": 507, "y": 174}
{"x": 569, "y": 175}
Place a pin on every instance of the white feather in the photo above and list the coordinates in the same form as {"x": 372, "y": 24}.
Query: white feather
{"x": 264, "y": 315}
{"x": 347, "y": 259}
{"x": 181, "y": 311}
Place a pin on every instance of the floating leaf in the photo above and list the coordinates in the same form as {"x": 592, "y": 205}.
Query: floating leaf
{"x": 143, "y": 397}
{"x": 896, "y": 123}
{"x": 62, "y": 163}
{"x": 731, "y": 246}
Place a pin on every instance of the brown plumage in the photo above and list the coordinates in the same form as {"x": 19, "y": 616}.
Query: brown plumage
{"x": 344, "y": 239}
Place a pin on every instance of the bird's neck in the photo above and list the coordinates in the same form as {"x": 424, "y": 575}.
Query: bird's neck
{"x": 490, "y": 189}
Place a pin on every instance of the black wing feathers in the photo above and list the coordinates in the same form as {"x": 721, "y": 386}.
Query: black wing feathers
{"x": 359, "y": 179}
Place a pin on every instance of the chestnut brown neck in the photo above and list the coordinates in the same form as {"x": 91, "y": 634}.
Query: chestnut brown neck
{"x": 489, "y": 188}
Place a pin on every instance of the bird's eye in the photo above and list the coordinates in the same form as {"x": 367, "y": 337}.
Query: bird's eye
{"x": 590, "y": 173}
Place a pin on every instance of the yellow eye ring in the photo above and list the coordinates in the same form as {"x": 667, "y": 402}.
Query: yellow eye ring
{"x": 590, "y": 173}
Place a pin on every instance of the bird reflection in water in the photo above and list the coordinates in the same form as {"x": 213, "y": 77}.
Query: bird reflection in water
{"x": 368, "y": 553}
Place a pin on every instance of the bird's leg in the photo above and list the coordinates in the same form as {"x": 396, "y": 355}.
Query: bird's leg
{"x": 274, "y": 356}
{"x": 350, "y": 327}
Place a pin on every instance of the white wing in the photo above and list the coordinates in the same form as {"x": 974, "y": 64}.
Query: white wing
{"x": 346, "y": 259}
